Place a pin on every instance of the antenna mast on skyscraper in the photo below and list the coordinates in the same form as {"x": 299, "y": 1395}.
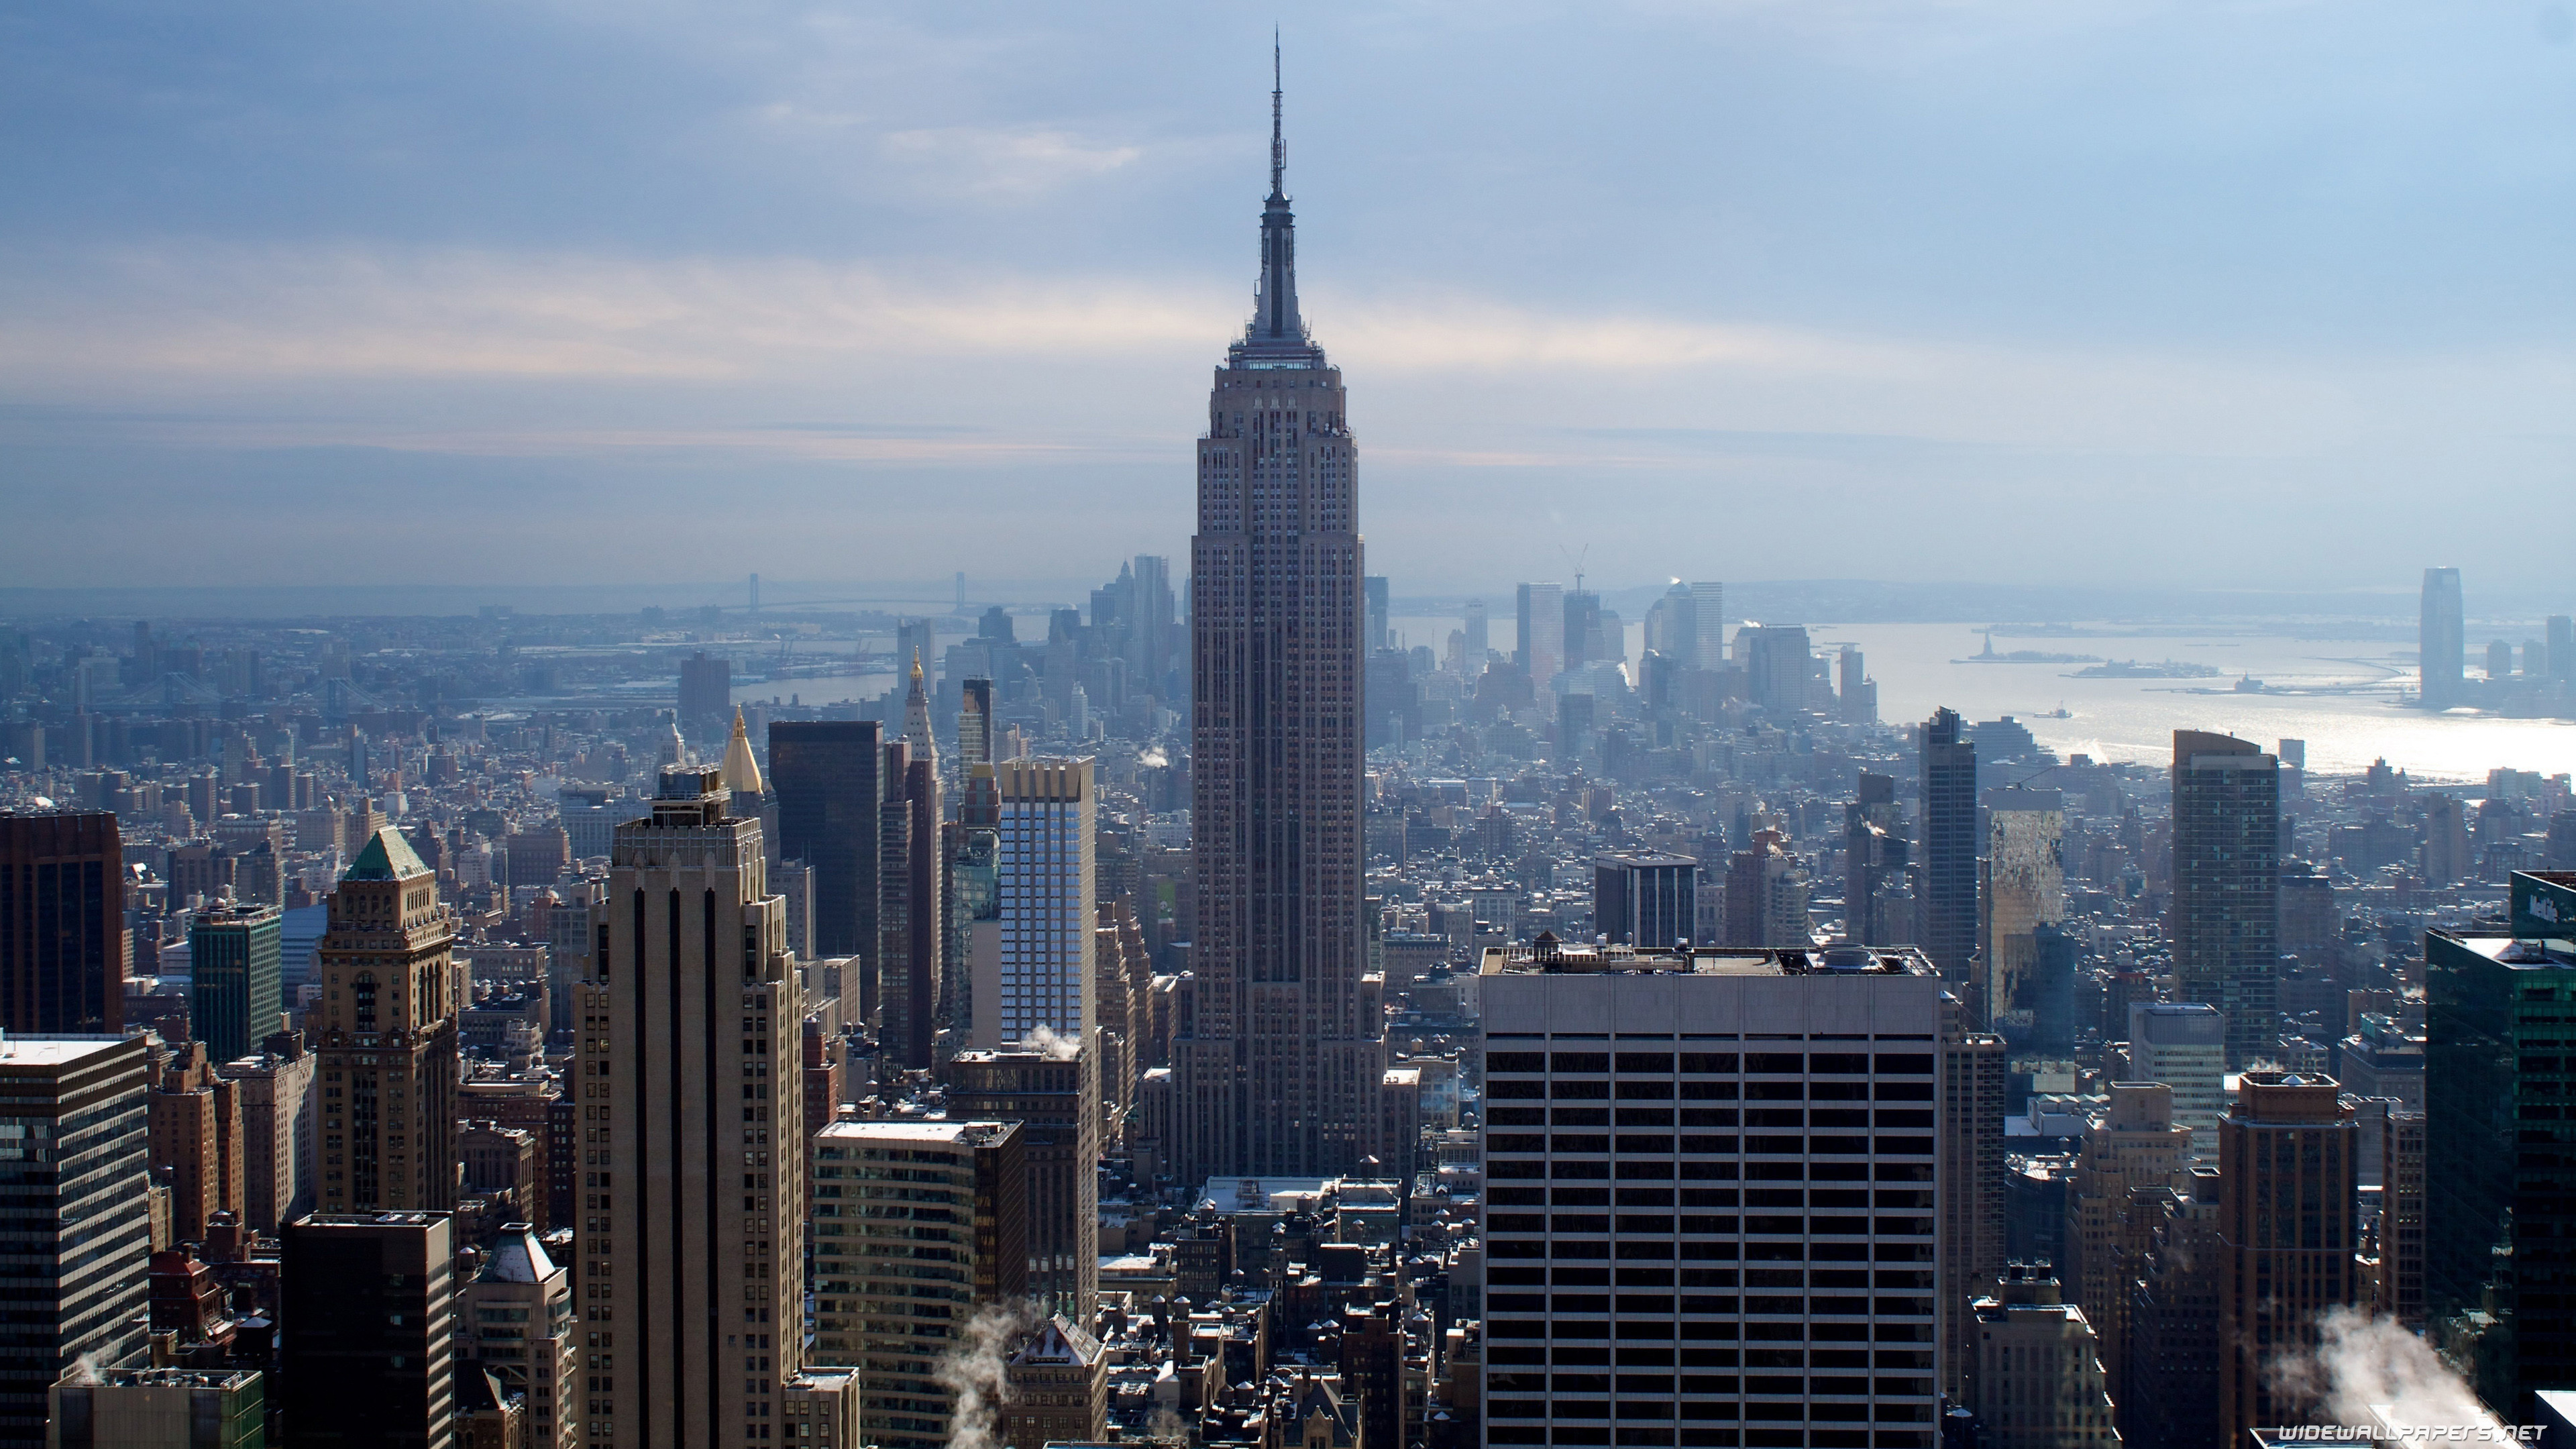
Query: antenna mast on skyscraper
{"x": 1278, "y": 138}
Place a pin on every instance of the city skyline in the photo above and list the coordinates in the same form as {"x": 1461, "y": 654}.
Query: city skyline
{"x": 2088, "y": 300}
{"x": 1268, "y": 1002}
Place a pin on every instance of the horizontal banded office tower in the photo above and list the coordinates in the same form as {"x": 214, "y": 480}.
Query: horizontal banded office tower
{"x": 1711, "y": 1195}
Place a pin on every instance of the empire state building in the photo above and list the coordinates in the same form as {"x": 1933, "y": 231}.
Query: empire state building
{"x": 1282, "y": 1073}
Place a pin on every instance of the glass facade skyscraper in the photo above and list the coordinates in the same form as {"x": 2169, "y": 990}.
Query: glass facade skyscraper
{"x": 233, "y": 958}
{"x": 828, "y": 776}
{"x": 2500, "y": 1135}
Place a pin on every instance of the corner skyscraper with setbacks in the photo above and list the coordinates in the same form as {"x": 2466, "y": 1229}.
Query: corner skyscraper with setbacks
{"x": 1281, "y": 1071}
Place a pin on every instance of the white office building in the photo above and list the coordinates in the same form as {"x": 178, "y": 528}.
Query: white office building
{"x": 1712, "y": 1193}
{"x": 1044, "y": 878}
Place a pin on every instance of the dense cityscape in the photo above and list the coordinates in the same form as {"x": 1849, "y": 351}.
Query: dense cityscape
{"x": 1214, "y": 1015}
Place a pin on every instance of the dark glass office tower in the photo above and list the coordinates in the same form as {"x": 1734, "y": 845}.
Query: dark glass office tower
{"x": 1946, "y": 901}
{"x": 368, "y": 1355}
{"x": 1281, "y": 1071}
{"x": 2225, "y": 917}
{"x": 233, "y": 961}
{"x": 1646, "y": 898}
{"x": 2500, "y": 1135}
{"x": 829, "y": 778}
{"x": 62, "y": 923}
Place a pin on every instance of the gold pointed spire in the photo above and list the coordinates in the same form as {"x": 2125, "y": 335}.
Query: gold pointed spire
{"x": 741, "y": 771}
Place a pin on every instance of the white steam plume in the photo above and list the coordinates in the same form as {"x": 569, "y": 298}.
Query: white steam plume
{"x": 975, "y": 1369}
{"x": 2365, "y": 1367}
{"x": 1046, "y": 1042}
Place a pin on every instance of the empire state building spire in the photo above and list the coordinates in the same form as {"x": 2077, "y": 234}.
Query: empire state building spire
{"x": 1275, "y": 323}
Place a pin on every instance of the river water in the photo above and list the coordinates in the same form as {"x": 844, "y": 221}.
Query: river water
{"x": 1918, "y": 669}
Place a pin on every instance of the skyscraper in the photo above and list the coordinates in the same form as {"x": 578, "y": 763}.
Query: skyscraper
{"x": 1154, "y": 634}
{"x": 910, "y": 909}
{"x": 1280, "y": 1069}
{"x": 233, "y": 963}
{"x": 62, "y": 923}
{"x": 1672, "y": 625}
{"x": 1857, "y": 693}
{"x": 1875, "y": 852}
{"x": 916, "y": 719}
{"x": 692, "y": 1219}
{"x": 2183, "y": 1044}
{"x": 1946, "y": 899}
{"x": 1582, "y": 635}
{"x": 706, "y": 694}
{"x": 1479, "y": 640}
{"x": 1708, "y": 612}
{"x": 1541, "y": 641}
{"x": 197, "y": 1141}
{"x": 2134, "y": 1148}
{"x": 898, "y": 1306}
{"x": 1755, "y": 1268}
{"x": 368, "y": 1354}
{"x": 386, "y": 1028}
{"x": 974, "y": 725}
{"x": 972, "y": 952}
{"x": 78, "y": 1222}
{"x": 2023, "y": 887}
{"x": 829, "y": 779}
{"x": 1054, "y": 1096}
{"x": 1646, "y": 898}
{"x": 517, "y": 1321}
{"x": 1046, "y": 881}
{"x": 2038, "y": 1375}
{"x": 1779, "y": 667}
{"x": 2443, "y": 644}
{"x": 2225, "y": 917}
{"x": 2500, "y": 1155}
{"x": 2288, "y": 1151}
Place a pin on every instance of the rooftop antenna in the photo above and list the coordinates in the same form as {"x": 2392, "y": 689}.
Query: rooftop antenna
{"x": 1278, "y": 139}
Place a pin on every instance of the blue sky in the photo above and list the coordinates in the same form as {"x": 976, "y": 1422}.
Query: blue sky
{"x": 2228, "y": 293}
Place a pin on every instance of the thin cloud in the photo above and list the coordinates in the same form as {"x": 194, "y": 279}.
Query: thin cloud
{"x": 1016, "y": 162}
{"x": 117, "y": 329}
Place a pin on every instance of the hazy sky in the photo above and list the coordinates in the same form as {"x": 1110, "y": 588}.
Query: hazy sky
{"x": 2224, "y": 293}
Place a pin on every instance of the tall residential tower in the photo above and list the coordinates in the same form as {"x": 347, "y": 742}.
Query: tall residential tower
{"x": 1945, "y": 896}
{"x": 1281, "y": 1069}
{"x": 2225, "y": 917}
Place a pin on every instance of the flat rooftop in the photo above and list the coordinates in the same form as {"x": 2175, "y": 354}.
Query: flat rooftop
{"x": 2528, "y": 953}
{"x": 52, "y": 1051}
{"x": 1549, "y": 959}
{"x": 160, "y": 1378}
{"x": 947, "y": 1133}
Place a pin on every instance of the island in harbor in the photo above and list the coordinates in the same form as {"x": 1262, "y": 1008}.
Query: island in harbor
{"x": 2133, "y": 669}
